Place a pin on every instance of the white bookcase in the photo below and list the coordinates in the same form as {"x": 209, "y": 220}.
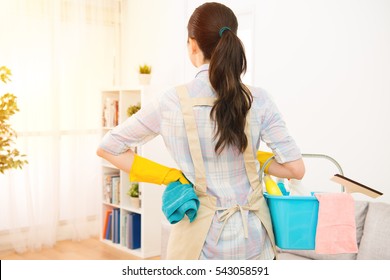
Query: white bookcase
{"x": 150, "y": 194}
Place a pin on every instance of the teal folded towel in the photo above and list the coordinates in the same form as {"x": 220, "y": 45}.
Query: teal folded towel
{"x": 178, "y": 200}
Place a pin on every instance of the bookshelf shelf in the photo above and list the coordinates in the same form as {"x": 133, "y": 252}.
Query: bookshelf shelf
{"x": 142, "y": 236}
{"x": 133, "y": 210}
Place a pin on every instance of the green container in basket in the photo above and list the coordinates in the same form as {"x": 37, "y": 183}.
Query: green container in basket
{"x": 294, "y": 220}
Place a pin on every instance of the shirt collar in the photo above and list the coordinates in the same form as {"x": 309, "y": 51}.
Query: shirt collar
{"x": 202, "y": 71}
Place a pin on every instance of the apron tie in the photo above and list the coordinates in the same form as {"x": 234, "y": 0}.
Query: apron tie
{"x": 228, "y": 212}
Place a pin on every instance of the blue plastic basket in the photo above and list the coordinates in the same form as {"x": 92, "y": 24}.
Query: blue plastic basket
{"x": 294, "y": 218}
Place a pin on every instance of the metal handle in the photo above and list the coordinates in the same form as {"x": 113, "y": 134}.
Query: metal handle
{"x": 307, "y": 156}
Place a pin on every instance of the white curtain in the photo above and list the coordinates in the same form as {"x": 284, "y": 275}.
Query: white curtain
{"x": 61, "y": 54}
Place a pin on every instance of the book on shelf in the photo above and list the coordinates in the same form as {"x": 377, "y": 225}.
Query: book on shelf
{"x": 116, "y": 116}
{"x": 107, "y": 194}
{"x": 113, "y": 225}
{"x": 108, "y": 227}
{"x": 115, "y": 183}
{"x": 106, "y": 220}
{"x": 124, "y": 231}
{"x": 108, "y": 184}
{"x": 133, "y": 230}
{"x": 116, "y": 225}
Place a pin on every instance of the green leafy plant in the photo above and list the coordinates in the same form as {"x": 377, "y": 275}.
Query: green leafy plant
{"x": 133, "y": 109}
{"x": 10, "y": 157}
{"x": 145, "y": 69}
{"x": 133, "y": 191}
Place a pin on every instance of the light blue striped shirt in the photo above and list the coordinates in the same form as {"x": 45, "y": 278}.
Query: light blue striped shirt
{"x": 226, "y": 175}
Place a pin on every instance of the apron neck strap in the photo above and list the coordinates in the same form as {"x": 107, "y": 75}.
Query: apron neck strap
{"x": 193, "y": 137}
{"x": 249, "y": 158}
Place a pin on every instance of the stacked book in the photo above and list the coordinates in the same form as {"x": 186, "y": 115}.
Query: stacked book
{"x": 131, "y": 228}
{"x": 112, "y": 225}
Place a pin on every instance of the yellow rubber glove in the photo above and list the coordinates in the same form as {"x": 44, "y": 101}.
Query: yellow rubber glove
{"x": 262, "y": 157}
{"x": 145, "y": 170}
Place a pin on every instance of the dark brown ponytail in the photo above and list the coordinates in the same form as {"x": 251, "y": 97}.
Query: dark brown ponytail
{"x": 214, "y": 27}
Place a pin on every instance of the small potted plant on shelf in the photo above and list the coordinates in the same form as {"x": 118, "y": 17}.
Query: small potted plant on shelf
{"x": 134, "y": 195}
{"x": 145, "y": 74}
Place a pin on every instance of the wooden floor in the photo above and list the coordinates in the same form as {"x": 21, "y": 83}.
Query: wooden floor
{"x": 90, "y": 249}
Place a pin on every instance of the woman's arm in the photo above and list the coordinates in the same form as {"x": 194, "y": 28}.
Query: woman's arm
{"x": 143, "y": 170}
{"x": 291, "y": 170}
{"x": 123, "y": 161}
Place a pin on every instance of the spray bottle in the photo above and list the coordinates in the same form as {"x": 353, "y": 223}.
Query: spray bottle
{"x": 297, "y": 188}
{"x": 271, "y": 186}
{"x": 280, "y": 183}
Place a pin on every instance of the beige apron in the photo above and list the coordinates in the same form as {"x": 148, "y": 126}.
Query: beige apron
{"x": 186, "y": 239}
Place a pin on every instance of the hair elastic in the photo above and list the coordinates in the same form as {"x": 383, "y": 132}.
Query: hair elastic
{"x": 223, "y": 29}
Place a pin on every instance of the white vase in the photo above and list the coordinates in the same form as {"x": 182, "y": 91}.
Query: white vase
{"x": 144, "y": 79}
{"x": 135, "y": 202}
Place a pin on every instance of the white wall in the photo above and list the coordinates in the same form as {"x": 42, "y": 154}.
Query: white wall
{"x": 326, "y": 63}
{"x": 154, "y": 33}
